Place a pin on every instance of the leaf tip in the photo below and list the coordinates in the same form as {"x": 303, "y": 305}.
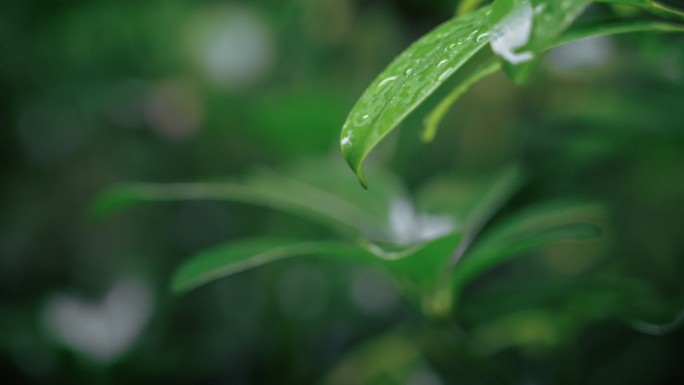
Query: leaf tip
{"x": 104, "y": 204}
{"x": 362, "y": 177}
{"x": 179, "y": 284}
{"x": 429, "y": 132}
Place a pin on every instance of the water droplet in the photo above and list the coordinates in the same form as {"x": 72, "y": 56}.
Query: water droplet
{"x": 386, "y": 80}
{"x": 482, "y": 37}
{"x": 441, "y": 63}
{"x": 444, "y": 75}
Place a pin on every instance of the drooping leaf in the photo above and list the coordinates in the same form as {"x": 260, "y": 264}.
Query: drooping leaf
{"x": 318, "y": 190}
{"x": 236, "y": 257}
{"x": 408, "y": 81}
{"x": 522, "y": 30}
{"x": 534, "y": 228}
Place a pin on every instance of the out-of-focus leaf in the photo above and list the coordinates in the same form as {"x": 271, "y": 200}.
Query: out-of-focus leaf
{"x": 434, "y": 118}
{"x": 522, "y": 31}
{"x": 525, "y": 232}
{"x": 472, "y": 202}
{"x": 658, "y": 329}
{"x": 520, "y": 328}
{"x": 466, "y": 6}
{"x": 421, "y": 271}
{"x": 392, "y": 359}
{"x": 408, "y": 81}
{"x": 233, "y": 258}
{"x": 320, "y": 190}
{"x": 616, "y": 27}
{"x": 338, "y": 214}
{"x": 654, "y": 7}
{"x": 416, "y": 270}
{"x": 470, "y": 199}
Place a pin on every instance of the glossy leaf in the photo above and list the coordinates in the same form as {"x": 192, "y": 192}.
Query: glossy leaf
{"x": 408, "y": 81}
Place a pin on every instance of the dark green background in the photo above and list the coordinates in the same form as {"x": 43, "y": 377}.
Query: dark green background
{"x": 80, "y": 82}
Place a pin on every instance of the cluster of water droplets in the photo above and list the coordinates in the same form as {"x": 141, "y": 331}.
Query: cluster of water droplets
{"x": 412, "y": 77}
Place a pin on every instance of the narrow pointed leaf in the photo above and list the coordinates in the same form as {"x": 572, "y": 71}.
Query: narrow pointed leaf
{"x": 408, "y": 81}
{"x": 316, "y": 190}
{"x": 654, "y": 7}
{"x": 435, "y": 117}
{"x": 526, "y": 232}
{"x": 233, "y": 258}
{"x": 467, "y": 6}
{"x": 616, "y": 27}
{"x": 471, "y": 201}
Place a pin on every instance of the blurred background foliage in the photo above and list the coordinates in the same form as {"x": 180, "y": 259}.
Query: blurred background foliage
{"x": 100, "y": 92}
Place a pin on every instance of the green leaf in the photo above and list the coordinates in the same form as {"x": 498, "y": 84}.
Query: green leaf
{"x": 658, "y": 329}
{"x": 420, "y": 270}
{"x": 471, "y": 201}
{"x": 390, "y": 359}
{"x": 654, "y": 7}
{"x": 435, "y": 117}
{"x": 319, "y": 190}
{"x": 236, "y": 257}
{"x": 416, "y": 269}
{"x": 467, "y": 6}
{"x": 522, "y": 30}
{"x": 301, "y": 200}
{"x": 534, "y": 228}
{"x": 408, "y": 82}
{"x": 604, "y": 28}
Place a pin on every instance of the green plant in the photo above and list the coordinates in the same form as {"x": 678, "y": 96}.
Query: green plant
{"x": 454, "y": 230}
